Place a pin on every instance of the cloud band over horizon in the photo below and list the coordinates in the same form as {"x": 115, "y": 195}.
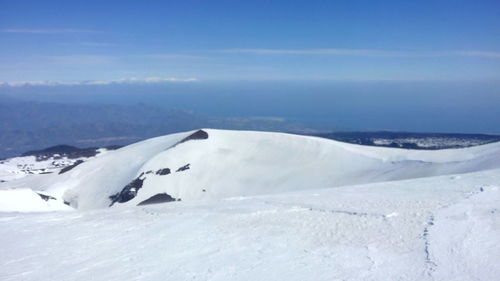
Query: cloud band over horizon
{"x": 133, "y": 80}
{"x": 362, "y": 52}
{"x": 46, "y": 30}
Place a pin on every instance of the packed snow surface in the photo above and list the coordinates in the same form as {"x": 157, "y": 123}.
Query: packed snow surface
{"x": 257, "y": 206}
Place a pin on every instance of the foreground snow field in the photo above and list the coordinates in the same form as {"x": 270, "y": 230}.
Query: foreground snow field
{"x": 381, "y": 214}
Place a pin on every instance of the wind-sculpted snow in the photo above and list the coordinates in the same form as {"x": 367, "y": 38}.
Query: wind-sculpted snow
{"x": 222, "y": 164}
{"x": 214, "y": 164}
{"x": 256, "y": 206}
{"x": 361, "y": 232}
{"x": 92, "y": 183}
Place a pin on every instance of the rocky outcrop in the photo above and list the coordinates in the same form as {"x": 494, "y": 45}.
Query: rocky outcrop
{"x": 128, "y": 192}
{"x": 68, "y": 168}
{"x": 183, "y": 168}
{"x": 158, "y": 199}
{"x": 163, "y": 172}
{"x": 198, "y": 135}
{"x": 46, "y": 197}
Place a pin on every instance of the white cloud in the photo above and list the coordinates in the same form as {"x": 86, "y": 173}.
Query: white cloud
{"x": 133, "y": 80}
{"x": 46, "y": 31}
{"x": 477, "y": 54}
{"x": 363, "y": 52}
{"x": 79, "y": 59}
{"x": 88, "y": 44}
{"x": 170, "y": 57}
{"x": 344, "y": 52}
{"x": 96, "y": 44}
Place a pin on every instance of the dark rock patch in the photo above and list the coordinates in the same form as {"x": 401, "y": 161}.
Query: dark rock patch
{"x": 71, "y": 152}
{"x": 47, "y": 197}
{"x": 183, "y": 168}
{"x": 149, "y": 172}
{"x": 68, "y": 151}
{"x": 67, "y": 203}
{"x": 57, "y": 149}
{"x": 113, "y": 147}
{"x": 128, "y": 192}
{"x": 162, "y": 172}
{"x": 65, "y": 169}
{"x": 157, "y": 199}
{"x": 198, "y": 135}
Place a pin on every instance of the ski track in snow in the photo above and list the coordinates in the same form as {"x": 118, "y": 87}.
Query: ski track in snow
{"x": 263, "y": 237}
{"x": 465, "y": 240}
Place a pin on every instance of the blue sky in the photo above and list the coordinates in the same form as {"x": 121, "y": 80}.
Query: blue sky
{"x": 131, "y": 41}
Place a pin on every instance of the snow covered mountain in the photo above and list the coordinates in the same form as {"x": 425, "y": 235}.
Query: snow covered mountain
{"x": 214, "y": 164}
{"x": 254, "y": 205}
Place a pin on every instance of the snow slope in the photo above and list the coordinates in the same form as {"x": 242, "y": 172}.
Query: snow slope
{"x": 27, "y": 200}
{"x": 257, "y": 206}
{"x": 242, "y": 163}
{"x": 438, "y": 228}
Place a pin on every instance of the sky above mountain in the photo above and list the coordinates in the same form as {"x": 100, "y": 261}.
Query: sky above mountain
{"x": 102, "y": 42}
{"x": 398, "y": 65}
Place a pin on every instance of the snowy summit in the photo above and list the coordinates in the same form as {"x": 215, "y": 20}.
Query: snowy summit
{"x": 242, "y": 205}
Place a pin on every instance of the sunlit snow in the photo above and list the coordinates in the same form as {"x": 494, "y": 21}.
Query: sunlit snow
{"x": 258, "y": 206}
